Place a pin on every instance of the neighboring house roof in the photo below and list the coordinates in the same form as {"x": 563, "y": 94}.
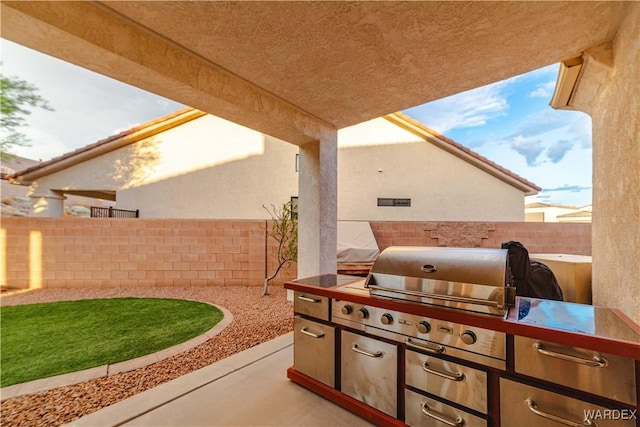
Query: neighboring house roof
{"x": 547, "y": 205}
{"x": 577, "y": 214}
{"x": 13, "y": 164}
{"x": 187, "y": 114}
{"x": 106, "y": 145}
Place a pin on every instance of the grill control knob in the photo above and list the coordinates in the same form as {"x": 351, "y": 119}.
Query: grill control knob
{"x": 346, "y": 310}
{"x": 424, "y": 327}
{"x": 363, "y": 313}
{"x": 386, "y": 319}
{"x": 468, "y": 337}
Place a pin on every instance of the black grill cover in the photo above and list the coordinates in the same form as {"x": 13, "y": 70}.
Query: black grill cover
{"x": 532, "y": 278}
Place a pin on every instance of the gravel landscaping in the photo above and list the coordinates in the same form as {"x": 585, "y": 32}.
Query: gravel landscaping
{"x": 256, "y": 319}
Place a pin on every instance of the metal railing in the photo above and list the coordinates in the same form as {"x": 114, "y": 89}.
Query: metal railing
{"x": 97, "y": 212}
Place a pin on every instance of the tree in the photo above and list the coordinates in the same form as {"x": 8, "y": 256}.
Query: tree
{"x": 284, "y": 229}
{"x": 16, "y": 96}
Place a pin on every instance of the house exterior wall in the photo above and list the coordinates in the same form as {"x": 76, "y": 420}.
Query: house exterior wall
{"x": 212, "y": 168}
{"x": 547, "y": 213}
{"x": 113, "y": 252}
{"x": 206, "y": 168}
{"x": 440, "y": 185}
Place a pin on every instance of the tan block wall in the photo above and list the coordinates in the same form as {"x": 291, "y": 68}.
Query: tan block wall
{"x": 535, "y": 236}
{"x": 128, "y": 252}
{"x": 104, "y": 252}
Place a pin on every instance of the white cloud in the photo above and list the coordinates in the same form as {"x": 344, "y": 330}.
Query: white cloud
{"x": 542, "y": 121}
{"x": 530, "y": 148}
{"x": 557, "y": 151}
{"x": 543, "y": 90}
{"x": 580, "y": 128}
{"x": 467, "y": 109}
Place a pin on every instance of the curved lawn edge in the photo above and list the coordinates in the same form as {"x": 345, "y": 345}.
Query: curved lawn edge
{"x": 71, "y": 378}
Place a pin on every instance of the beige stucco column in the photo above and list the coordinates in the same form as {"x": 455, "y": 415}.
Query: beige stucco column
{"x": 47, "y": 204}
{"x": 609, "y": 90}
{"x": 317, "y": 206}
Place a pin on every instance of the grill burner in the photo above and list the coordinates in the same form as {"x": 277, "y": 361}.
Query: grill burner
{"x": 474, "y": 279}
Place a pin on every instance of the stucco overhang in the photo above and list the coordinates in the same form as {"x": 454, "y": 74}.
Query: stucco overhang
{"x": 295, "y": 69}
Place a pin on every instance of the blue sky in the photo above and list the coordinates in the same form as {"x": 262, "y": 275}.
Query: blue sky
{"x": 509, "y": 122}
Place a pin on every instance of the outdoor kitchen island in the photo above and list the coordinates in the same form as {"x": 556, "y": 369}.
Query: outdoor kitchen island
{"x": 397, "y": 362}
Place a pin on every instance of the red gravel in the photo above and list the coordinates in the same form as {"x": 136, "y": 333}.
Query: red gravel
{"x": 256, "y": 319}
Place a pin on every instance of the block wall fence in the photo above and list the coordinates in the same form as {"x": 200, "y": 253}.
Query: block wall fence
{"x": 112, "y": 252}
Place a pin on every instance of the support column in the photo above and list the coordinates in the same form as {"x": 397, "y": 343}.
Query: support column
{"x": 317, "y": 206}
{"x": 608, "y": 91}
{"x": 49, "y": 205}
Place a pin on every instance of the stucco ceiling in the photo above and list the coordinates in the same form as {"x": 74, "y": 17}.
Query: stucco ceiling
{"x": 346, "y": 62}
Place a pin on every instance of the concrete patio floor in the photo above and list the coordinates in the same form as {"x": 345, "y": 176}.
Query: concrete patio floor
{"x": 247, "y": 389}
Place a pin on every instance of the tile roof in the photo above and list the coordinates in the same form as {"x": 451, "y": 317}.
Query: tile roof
{"x": 80, "y": 152}
{"x": 188, "y": 113}
{"x": 13, "y": 164}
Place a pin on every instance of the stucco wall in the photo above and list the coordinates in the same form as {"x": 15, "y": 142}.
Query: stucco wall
{"x": 206, "y": 168}
{"x": 104, "y": 252}
{"x": 212, "y": 168}
{"x": 440, "y": 185}
{"x": 613, "y": 101}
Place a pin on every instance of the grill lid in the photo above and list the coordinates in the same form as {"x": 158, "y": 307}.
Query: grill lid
{"x": 465, "y": 278}
{"x": 466, "y": 265}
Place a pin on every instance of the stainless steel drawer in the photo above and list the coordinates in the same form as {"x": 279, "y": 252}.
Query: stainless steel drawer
{"x": 451, "y": 381}
{"x": 314, "y": 350}
{"x": 369, "y": 372}
{"x": 422, "y": 411}
{"x": 590, "y": 371}
{"x": 523, "y": 405}
{"x": 311, "y": 305}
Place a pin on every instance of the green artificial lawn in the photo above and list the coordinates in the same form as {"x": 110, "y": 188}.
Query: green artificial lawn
{"x": 42, "y": 340}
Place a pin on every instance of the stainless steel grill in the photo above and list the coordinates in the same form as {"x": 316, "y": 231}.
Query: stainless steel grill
{"x": 474, "y": 279}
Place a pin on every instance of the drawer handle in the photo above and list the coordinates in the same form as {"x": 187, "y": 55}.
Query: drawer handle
{"x": 306, "y": 331}
{"x": 430, "y": 348}
{"x": 307, "y": 299}
{"x": 594, "y": 362}
{"x": 458, "y": 422}
{"x": 453, "y": 376}
{"x": 534, "y": 408}
{"x": 357, "y": 349}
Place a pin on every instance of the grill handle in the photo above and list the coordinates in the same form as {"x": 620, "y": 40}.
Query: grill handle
{"x": 453, "y": 298}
